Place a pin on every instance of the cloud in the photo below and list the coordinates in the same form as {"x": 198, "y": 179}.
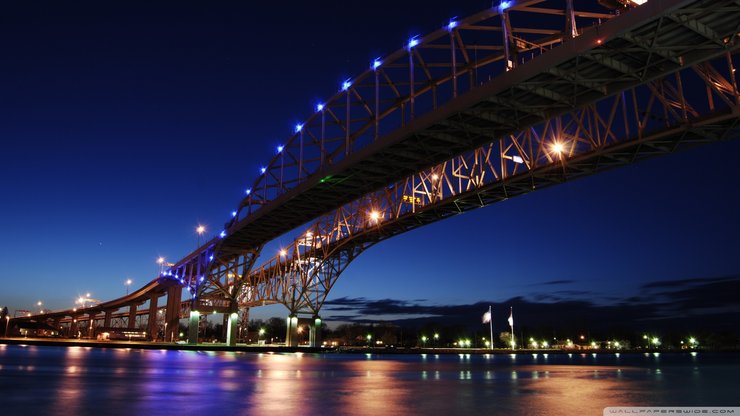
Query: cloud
{"x": 555, "y": 282}
{"x": 708, "y": 303}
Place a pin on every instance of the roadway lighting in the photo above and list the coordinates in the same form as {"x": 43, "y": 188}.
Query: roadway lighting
{"x": 319, "y": 107}
{"x": 413, "y": 42}
{"x": 557, "y": 147}
{"x": 655, "y": 341}
{"x": 200, "y": 229}
{"x": 128, "y": 283}
{"x": 346, "y": 84}
{"x": 374, "y": 216}
{"x": 452, "y": 24}
{"x": 298, "y": 128}
{"x": 283, "y": 253}
{"x": 545, "y": 344}
{"x": 7, "y": 324}
{"x": 376, "y": 63}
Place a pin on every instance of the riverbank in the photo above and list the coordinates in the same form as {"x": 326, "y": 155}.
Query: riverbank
{"x": 285, "y": 349}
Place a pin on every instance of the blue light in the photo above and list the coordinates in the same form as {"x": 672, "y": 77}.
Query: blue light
{"x": 298, "y": 127}
{"x": 319, "y": 107}
{"x": 201, "y": 278}
{"x": 263, "y": 169}
{"x": 280, "y": 149}
{"x": 222, "y": 235}
{"x": 211, "y": 257}
{"x": 504, "y": 5}
{"x": 413, "y": 42}
{"x": 182, "y": 282}
{"x": 376, "y": 63}
{"x": 249, "y": 191}
{"x": 346, "y": 84}
{"x": 233, "y": 213}
{"x": 453, "y": 24}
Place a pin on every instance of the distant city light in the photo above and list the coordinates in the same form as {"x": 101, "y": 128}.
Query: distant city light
{"x": 376, "y": 63}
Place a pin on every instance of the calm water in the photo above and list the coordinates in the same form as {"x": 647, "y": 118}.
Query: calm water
{"x": 82, "y": 381}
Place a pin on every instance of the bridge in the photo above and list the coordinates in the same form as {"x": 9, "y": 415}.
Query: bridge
{"x": 515, "y": 98}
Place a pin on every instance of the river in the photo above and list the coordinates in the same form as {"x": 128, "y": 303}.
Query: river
{"x": 46, "y": 380}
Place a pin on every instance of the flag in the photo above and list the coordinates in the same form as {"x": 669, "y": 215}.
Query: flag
{"x": 511, "y": 318}
{"x": 487, "y": 317}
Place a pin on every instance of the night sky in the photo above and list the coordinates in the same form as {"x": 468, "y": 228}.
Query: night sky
{"x": 124, "y": 125}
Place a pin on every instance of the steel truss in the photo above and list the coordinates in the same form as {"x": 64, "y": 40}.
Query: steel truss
{"x": 656, "y": 118}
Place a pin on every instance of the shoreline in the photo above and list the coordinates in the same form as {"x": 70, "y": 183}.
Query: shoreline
{"x": 324, "y": 350}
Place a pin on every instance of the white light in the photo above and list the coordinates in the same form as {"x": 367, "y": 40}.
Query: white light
{"x": 222, "y": 235}
{"x": 233, "y": 213}
{"x": 263, "y": 169}
{"x": 374, "y": 216}
{"x": 504, "y": 5}
{"x": 453, "y": 24}
{"x": 211, "y": 256}
{"x": 376, "y": 63}
{"x": 319, "y": 107}
{"x": 517, "y": 159}
{"x": 346, "y": 84}
{"x": 280, "y": 149}
{"x": 298, "y": 127}
{"x": 248, "y": 191}
{"x": 283, "y": 253}
{"x": 413, "y": 42}
{"x": 557, "y": 147}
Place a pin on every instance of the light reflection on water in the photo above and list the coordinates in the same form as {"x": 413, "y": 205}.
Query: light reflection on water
{"x": 80, "y": 381}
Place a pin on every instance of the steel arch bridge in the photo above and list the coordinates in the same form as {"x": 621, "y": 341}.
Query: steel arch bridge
{"x": 518, "y": 97}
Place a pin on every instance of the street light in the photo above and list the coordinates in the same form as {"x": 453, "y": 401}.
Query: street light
{"x": 160, "y": 262}
{"x": 424, "y": 341}
{"x": 261, "y": 332}
{"x": 128, "y": 283}
{"x": 436, "y": 339}
{"x": 7, "y": 324}
{"x": 200, "y": 229}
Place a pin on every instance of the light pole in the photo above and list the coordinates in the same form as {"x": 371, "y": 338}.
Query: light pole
{"x": 200, "y": 229}
{"x": 7, "y": 324}
{"x": 127, "y": 283}
{"x": 261, "y": 332}
{"x": 40, "y": 304}
{"x": 436, "y": 339}
{"x": 160, "y": 262}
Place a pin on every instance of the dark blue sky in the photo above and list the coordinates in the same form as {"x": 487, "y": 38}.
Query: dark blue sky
{"x": 124, "y": 125}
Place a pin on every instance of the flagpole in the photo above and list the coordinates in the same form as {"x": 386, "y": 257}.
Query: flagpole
{"x": 511, "y": 320}
{"x": 491, "y": 324}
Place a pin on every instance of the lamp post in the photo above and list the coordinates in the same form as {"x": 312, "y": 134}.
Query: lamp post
{"x": 7, "y": 324}
{"x": 160, "y": 262}
{"x": 127, "y": 283}
{"x": 260, "y": 333}
{"x": 200, "y": 229}
{"x": 436, "y": 339}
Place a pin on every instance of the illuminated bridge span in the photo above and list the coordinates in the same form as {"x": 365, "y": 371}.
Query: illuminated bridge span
{"x": 486, "y": 108}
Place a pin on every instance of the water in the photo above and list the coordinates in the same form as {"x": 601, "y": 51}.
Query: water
{"x": 88, "y": 381}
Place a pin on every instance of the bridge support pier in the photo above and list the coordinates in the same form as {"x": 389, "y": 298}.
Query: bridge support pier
{"x": 153, "y": 328}
{"x": 132, "y": 316}
{"x": 291, "y": 331}
{"x": 193, "y": 325}
{"x": 172, "y": 315}
{"x": 314, "y": 338}
{"x": 231, "y": 329}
